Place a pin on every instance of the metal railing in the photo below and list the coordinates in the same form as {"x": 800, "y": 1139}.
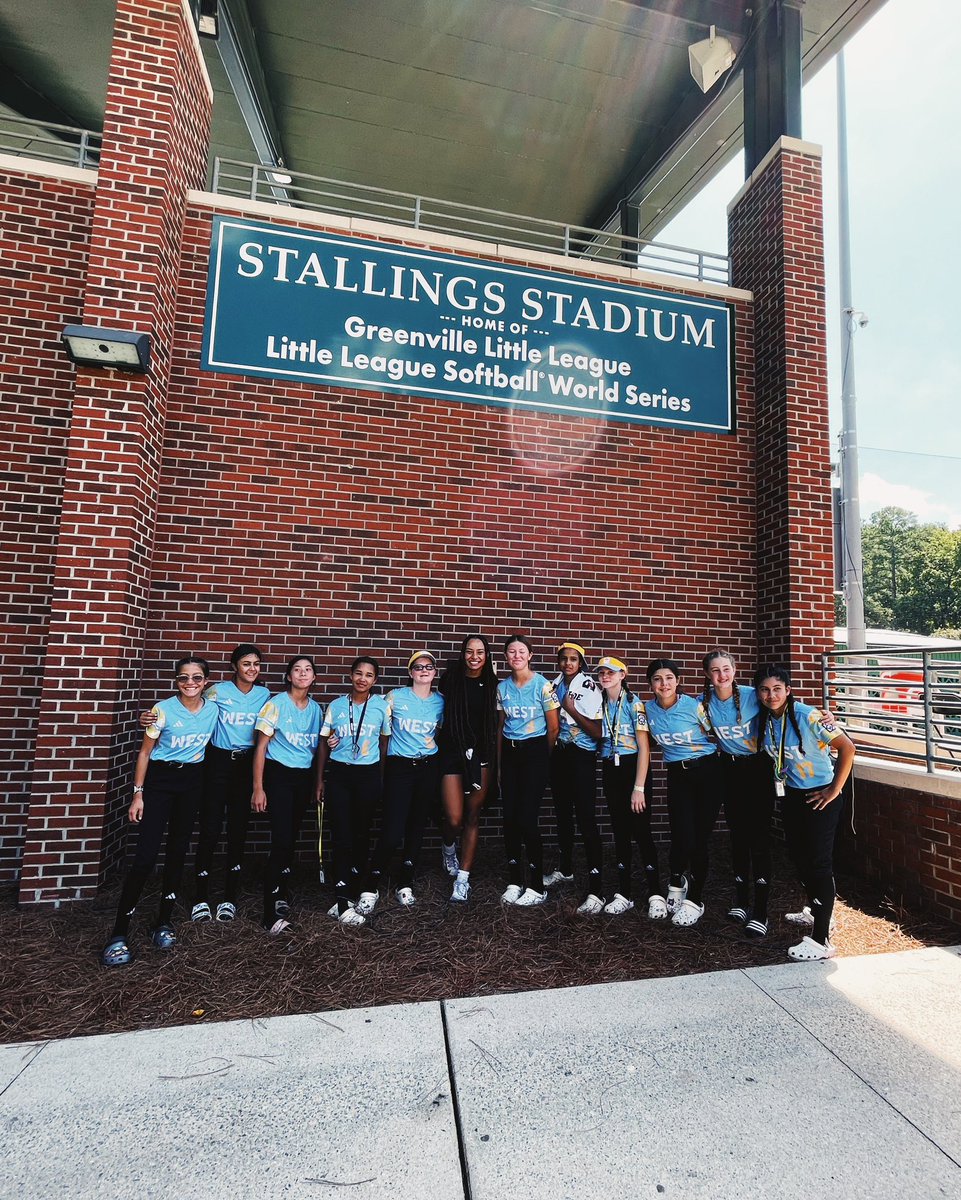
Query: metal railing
{"x": 902, "y": 704}
{"x": 50, "y": 143}
{"x": 275, "y": 186}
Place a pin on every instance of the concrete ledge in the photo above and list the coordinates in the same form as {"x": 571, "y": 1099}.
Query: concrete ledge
{"x": 789, "y": 144}
{"x": 21, "y": 164}
{"x": 907, "y": 775}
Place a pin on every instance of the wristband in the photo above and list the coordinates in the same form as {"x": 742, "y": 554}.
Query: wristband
{"x": 638, "y": 787}
{"x": 137, "y": 788}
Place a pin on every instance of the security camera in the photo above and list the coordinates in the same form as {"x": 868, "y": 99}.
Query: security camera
{"x": 710, "y": 59}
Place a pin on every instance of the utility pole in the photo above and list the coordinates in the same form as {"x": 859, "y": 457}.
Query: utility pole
{"x": 851, "y": 320}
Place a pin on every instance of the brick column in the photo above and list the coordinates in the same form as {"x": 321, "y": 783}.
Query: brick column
{"x": 154, "y": 149}
{"x": 776, "y": 238}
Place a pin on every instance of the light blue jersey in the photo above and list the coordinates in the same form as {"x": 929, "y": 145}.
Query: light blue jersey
{"x": 525, "y": 707}
{"x": 293, "y": 731}
{"x": 359, "y": 742}
{"x": 811, "y": 767}
{"x": 587, "y": 697}
{"x": 735, "y": 735}
{"x": 621, "y": 724}
{"x": 237, "y": 712}
{"x": 681, "y": 730}
{"x": 413, "y": 722}
{"x": 181, "y": 735}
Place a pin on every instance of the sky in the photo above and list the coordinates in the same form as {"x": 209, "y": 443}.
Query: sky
{"x": 904, "y": 178}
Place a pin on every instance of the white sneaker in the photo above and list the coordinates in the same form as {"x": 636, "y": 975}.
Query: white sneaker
{"x": 676, "y": 897}
{"x": 367, "y": 902}
{"x": 405, "y": 896}
{"x": 529, "y": 898}
{"x": 808, "y": 950}
{"x": 451, "y": 863}
{"x": 687, "y": 913}
{"x": 461, "y": 891}
{"x": 351, "y": 917}
{"x": 593, "y": 904}
{"x": 805, "y": 918}
{"x": 656, "y": 908}
{"x": 512, "y": 893}
{"x": 557, "y": 876}
{"x": 620, "y": 904}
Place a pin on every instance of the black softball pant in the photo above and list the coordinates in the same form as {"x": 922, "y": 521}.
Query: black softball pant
{"x": 228, "y": 787}
{"x": 629, "y": 826}
{"x": 810, "y": 835}
{"x": 747, "y": 782}
{"x": 574, "y": 792}
{"x": 351, "y": 796}
{"x": 171, "y": 795}
{"x": 289, "y": 790}
{"x": 525, "y": 766}
{"x": 411, "y": 788}
{"x": 693, "y": 802}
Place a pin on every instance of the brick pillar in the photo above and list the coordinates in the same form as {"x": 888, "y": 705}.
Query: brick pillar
{"x": 776, "y": 238}
{"x": 154, "y": 149}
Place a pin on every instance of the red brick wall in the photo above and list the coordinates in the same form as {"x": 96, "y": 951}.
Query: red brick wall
{"x": 46, "y": 224}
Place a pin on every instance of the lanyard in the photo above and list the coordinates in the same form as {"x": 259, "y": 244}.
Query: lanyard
{"x": 779, "y": 757}
{"x": 355, "y": 736}
{"x": 613, "y": 726}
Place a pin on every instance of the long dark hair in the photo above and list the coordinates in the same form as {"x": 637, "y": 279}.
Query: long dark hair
{"x": 776, "y": 671}
{"x": 706, "y": 661}
{"x": 453, "y": 687}
{"x": 291, "y": 663}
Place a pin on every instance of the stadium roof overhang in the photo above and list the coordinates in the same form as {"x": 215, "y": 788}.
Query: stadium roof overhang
{"x": 572, "y": 110}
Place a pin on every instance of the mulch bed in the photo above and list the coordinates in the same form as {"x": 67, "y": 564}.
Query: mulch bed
{"x": 52, "y": 984}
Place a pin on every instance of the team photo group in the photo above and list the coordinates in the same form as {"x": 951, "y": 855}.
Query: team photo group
{"x": 440, "y": 747}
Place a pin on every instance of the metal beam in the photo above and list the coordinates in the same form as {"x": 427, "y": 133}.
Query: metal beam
{"x": 237, "y": 47}
{"x": 772, "y": 80}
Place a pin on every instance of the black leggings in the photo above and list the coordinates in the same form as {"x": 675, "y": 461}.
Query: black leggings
{"x": 748, "y": 787}
{"x": 171, "y": 794}
{"x": 227, "y": 789}
{"x": 288, "y": 791}
{"x": 574, "y": 791}
{"x": 524, "y": 771}
{"x": 629, "y": 826}
{"x": 693, "y": 803}
{"x": 352, "y": 794}
{"x": 809, "y": 835}
{"x": 410, "y": 793}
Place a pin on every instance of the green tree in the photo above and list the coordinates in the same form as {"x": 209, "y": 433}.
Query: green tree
{"x": 912, "y": 573}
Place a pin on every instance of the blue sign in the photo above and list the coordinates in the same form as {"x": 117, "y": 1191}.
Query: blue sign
{"x": 294, "y": 304}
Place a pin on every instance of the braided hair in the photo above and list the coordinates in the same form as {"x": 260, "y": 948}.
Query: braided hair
{"x": 776, "y": 671}
{"x": 706, "y": 661}
{"x": 457, "y": 728}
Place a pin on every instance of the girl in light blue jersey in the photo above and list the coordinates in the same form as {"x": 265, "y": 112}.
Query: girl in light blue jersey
{"x": 167, "y": 785}
{"x": 747, "y": 787}
{"x": 802, "y": 741}
{"x": 288, "y": 730}
{"x": 357, "y": 729}
{"x": 680, "y": 726}
{"x": 411, "y": 780}
{"x": 529, "y": 724}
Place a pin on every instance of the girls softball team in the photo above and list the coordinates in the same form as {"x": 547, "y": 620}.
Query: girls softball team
{"x": 232, "y": 748}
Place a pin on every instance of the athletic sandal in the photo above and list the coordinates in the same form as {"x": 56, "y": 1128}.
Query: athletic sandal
{"x": 756, "y": 927}
{"x": 620, "y": 904}
{"x": 656, "y": 908}
{"x": 591, "y": 906}
{"x": 529, "y": 898}
{"x": 279, "y": 926}
{"x": 200, "y": 911}
{"x": 808, "y": 950}
{"x": 805, "y": 918}
{"x": 676, "y": 896}
{"x": 687, "y": 913}
{"x": 449, "y": 859}
{"x": 164, "y": 938}
{"x": 512, "y": 893}
{"x": 226, "y": 910}
{"x": 461, "y": 891}
{"x": 557, "y": 876}
{"x": 405, "y": 897}
{"x": 367, "y": 903}
{"x": 352, "y": 917}
{"x": 736, "y": 913}
{"x": 116, "y": 953}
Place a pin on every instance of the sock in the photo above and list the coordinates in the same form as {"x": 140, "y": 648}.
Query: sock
{"x": 451, "y": 849}
{"x": 203, "y": 880}
{"x": 624, "y": 880}
{"x": 463, "y": 876}
{"x": 761, "y": 890}
{"x": 652, "y": 881}
{"x": 742, "y": 894}
{"x": 232, "y": 884}
{"x": 166, "y": 910}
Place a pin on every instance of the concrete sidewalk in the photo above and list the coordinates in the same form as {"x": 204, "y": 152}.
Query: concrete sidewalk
{"x": 801, "y": 1080}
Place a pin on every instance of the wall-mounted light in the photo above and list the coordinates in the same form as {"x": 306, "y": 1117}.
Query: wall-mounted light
{"x": 208, "y": 22}
{"x": 710, "y": 59}
{"x": 121, "y": 349}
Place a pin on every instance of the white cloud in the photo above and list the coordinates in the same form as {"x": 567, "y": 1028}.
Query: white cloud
{"x": 879, "y": 493}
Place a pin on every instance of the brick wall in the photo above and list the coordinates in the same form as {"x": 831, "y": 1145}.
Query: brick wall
{"x": 46, "y": 224}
